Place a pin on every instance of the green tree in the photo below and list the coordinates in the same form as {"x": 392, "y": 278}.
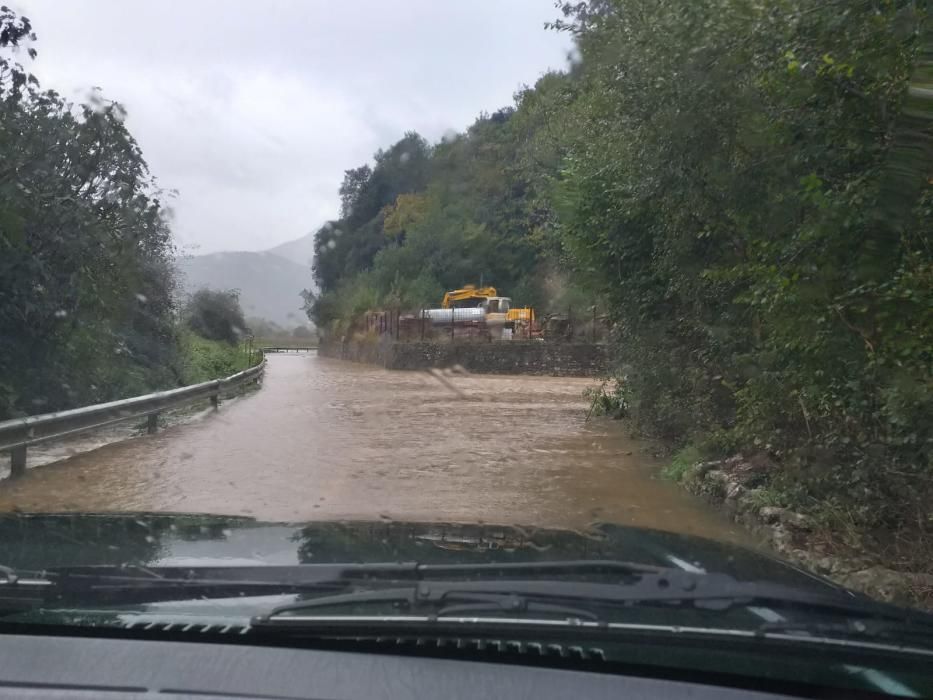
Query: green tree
{"x": 215, "y": 315}
{"x": 86, "y": 311}
{"x": 725, "y": 182}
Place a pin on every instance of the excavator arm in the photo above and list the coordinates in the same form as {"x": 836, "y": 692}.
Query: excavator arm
{"x": 468, "y": 292}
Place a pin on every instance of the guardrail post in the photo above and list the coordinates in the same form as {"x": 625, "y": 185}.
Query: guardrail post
{"x": 152, "y": 423}
{"x": 215, "y": 401}
{"x": 18, "y": 461}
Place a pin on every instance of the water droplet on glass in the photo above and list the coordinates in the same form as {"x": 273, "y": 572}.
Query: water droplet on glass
{"x": 142, "y": 298}
{"x": 449, "y": 135}
{"x": 331, "y": 244}
{"x": 61, "y": 313}
{"x": 404, "y": 158}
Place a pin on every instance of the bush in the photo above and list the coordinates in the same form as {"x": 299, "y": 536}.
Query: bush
{"x": 204, "y": 360}
{"x": 216, "y": 315}
{"x": 681, "y": 462}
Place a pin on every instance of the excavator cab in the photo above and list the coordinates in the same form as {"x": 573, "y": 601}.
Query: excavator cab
{"x": 498, "y": 305}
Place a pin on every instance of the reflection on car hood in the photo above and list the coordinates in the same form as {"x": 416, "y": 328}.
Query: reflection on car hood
{"x": 39, "y": 541}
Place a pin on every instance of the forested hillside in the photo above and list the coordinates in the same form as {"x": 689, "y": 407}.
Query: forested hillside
{"x": 744, "y": 186}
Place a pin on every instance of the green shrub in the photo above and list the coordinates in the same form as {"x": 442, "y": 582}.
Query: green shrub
{"x": 215, "y": 315}
{"x": 204, "y": 360}
{"x": 681, "y": 462}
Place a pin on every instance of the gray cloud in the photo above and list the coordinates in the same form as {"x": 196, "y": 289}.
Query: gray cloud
{"x": 253, "y": 110}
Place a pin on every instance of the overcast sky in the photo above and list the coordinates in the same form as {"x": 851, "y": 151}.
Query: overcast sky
{"x": 252, "y": 111}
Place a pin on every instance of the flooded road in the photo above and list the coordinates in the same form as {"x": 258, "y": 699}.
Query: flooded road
{"x": 326, "y": 439}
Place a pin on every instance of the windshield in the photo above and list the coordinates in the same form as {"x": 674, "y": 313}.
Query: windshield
{"x": 655, "y": 276}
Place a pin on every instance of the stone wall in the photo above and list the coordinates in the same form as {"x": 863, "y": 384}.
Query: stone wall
{"x": 503, "y": 357}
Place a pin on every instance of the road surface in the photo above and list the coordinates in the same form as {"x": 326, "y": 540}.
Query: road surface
{"x": 326, "y": 439}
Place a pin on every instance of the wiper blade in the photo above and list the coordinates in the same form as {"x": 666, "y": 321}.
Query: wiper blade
{"x": 108, "y": 584}
{"x": 573, "y": 566}
{"x": 21, "y": 590}
{"x": 714, "y": 592}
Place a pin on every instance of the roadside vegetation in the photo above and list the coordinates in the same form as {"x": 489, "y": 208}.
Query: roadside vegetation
{"x": 211, "y": 359}
{"x": 88, "y": 300}
{"x": 86, "y": 287}
{"x": 747, "y": 188}
{"x": 213, "y": 337}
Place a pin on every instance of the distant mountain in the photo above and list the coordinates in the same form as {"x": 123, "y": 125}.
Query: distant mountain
{"x": 270, "y": 282}
{"x": 300, "y": 250}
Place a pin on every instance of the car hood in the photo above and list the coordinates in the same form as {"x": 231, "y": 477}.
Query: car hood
{"x": 41, "y": 541}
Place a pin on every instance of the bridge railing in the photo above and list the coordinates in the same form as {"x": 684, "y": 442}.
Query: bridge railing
{"x": 19, "y": 433}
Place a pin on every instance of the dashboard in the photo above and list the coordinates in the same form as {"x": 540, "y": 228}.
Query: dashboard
{"x": 74, "y": 668}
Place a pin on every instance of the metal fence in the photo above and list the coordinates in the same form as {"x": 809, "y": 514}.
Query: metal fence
{"x": 19, "y": 433}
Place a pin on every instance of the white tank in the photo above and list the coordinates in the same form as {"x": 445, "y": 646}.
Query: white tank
{"x": 439, "y": 316}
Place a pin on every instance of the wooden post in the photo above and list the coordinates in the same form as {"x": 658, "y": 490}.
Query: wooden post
{"x": 17, "y": 461}
{"x": 422, "y": 325}
{"x": 152, "y": 423}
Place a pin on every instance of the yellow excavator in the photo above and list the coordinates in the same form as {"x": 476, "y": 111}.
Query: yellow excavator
{"x": 496, "y": 308}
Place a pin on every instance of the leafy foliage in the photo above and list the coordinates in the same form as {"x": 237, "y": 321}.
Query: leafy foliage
{"x": 86, "y": 310}
{"x": 204, "y": 360}
{"x": 215, "y": 315}
{"x": 726, "y": 183}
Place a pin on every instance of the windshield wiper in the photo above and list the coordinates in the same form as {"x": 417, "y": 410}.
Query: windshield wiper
{"x": 103, "y": 584}
{"x": 714, "y": 592}
{"x": 122, "y": 585}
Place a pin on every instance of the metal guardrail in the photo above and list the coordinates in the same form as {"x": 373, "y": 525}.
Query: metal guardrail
{"x": 308, "y": 348}
{"x": 17, "y": 434}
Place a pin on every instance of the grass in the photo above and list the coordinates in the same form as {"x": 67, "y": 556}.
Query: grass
{"x": 681, "y": 462}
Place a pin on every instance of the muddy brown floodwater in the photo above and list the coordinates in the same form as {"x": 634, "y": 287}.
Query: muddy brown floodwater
{"x": 326, "y": 439}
